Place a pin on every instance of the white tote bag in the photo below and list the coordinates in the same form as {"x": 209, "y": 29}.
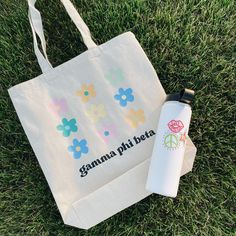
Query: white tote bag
{"x": 91, "y": 122}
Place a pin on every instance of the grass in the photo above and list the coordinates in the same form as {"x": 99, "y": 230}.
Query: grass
{"x": 191, "y": 44}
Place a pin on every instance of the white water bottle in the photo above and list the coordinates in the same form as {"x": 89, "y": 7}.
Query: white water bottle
{"x": 169, "y": 147}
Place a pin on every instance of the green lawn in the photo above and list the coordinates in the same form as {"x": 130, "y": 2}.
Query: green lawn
{"x": 191, "y": 44}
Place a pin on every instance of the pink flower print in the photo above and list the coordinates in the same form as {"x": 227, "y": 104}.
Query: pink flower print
{"x": 59, "y": 106}
{"x": 107, "y": 132}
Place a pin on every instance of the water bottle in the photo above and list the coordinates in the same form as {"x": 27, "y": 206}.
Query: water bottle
{"x": 169, "y": 147}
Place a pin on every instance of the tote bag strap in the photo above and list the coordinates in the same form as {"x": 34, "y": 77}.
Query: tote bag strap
{"x": 35, "y": 20}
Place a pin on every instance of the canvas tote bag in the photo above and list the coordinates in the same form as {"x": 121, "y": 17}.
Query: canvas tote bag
{"x": 91, "y": 123}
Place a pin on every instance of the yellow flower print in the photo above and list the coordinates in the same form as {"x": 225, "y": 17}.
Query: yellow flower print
{"x": 86, "y": 92}
{"x": 135, "y": 117}
{"x": 96, "y": 112}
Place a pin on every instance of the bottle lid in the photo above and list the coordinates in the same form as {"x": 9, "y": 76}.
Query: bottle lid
{"x": 185, "y": 96}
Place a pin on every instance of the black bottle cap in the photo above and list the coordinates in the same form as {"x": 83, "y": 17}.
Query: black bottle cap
{"x": 185, "y": 96}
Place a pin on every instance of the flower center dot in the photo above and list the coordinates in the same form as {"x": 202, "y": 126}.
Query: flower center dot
{"x": 77, "y": 149}
{"x": 123, "y": 97}
{"x": 86, "y": 93}
{"x": 67, "y": 127}
{"x": 106, "y": 133}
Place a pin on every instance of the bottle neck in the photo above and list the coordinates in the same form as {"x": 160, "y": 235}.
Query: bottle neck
{"x": 185, "y": 96}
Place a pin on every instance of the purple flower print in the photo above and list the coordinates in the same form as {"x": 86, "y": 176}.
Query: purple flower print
{"x": 59, "y": 106}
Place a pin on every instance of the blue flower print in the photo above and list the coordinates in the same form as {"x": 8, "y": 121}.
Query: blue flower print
{"x": 67, "y": 127}
{"x": 124, "y": 96}
{"x": 78, "y": 148}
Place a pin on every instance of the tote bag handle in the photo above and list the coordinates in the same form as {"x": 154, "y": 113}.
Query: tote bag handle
{"x": 35, "y": 20}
